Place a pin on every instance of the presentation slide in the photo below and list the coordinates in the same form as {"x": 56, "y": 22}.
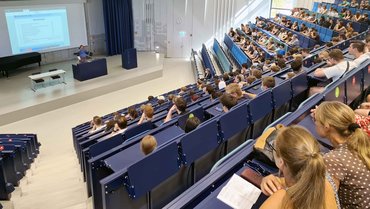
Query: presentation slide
{"x": 37, "y": 30}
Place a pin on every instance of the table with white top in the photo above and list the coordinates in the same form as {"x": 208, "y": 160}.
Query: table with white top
{"x": 46, "y": 75}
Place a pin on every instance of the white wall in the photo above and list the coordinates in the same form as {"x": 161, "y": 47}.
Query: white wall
{"x": 95, "y": 26}
{"x": 308, "y": 3}
{"x": 176, "y": 26}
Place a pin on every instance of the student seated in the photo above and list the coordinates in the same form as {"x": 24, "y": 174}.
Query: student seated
{"x": 235, "y": 91}
{"x": 268, "y": 82}
{"x": 147, "y": 115}
{"x": 357, "y": 49}
{"x": 227, "y": 101}
{"x": 338, "y": 66}
{"x": 296, "y": 66}
{"x": 349, "y": 162}
{"x": 191, "y": 123}
{"x": 109, "y": 125}
{"x": 120, "y": 126}
{"x": 132, "y": 113}
{"x": 97, "y": 124}
{"x": 148, "y": 144}
{"x": 305, "y": 183}
{"x": 179, "y": 106}
{"x": 364, "y": 108}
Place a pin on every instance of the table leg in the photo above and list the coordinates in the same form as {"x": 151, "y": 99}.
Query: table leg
{"x": 33, "y": 85}
{"x": 64, "y": 79}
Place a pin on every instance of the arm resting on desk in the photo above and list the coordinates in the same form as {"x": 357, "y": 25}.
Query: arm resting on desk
{"x": 319, "y": 72}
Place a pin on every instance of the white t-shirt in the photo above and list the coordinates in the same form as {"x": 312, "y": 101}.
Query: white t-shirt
{"x": 360, "y": 59}
{"x": 221, "y": 85}
{"x": 337, "y": 70}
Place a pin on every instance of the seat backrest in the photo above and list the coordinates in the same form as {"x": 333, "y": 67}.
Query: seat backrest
{"x": 105, "y": 145}
{"x": 281, "y": 94}
{"x": 260, "y": 106}
{"x": 354, "y": 85}
{"x": 299, "y": 84}
{"x": 138, "y": 129}
{"x": 234, "y": 121}
{"x": 152, "y": 170}
{"x": 335, "y": 91}
{"x": 199, "y": 142}
{"x": 197, "y": 112}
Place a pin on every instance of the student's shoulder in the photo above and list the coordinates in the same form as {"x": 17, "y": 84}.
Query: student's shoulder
{"x": 275, "y": 200}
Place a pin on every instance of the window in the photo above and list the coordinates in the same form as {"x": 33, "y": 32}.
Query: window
{"x": 282, "y": 6}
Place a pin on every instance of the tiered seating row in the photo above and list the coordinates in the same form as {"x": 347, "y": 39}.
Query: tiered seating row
{"x": 357, "y": 26}
{"x": 18, "y": 152}
{"x": 204, "y": 193}
{"x": 339, "y": 8}
{"x": 276, "y": 39}
{"x": 238, "y": 54}
{"x": 267, "y": 52}
{"x": 325, "y": 34}
{"x": 304, "y": 41}
{"x": 221, "y": 57}
{"x": 207, "y": 60}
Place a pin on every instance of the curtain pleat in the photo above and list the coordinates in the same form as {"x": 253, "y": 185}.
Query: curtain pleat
{"x": 119, "y": 30}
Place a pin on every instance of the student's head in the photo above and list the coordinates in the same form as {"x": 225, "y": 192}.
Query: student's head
{"x": 234, "y": 90}
{"x": 297, "y": 155}
{"x": 324, "y": 55}
{"x": 171, "y": 97}
{"x": 305, "y": 52}
{"x": 290, "y": 75}
{"x": 183, "y": 89}
{"x": 296, "y": 65}
{"x": 148, "y": 144}
{"x": 180, "y": 104}
{"x": 329, "y": 44}
{"x": 257, "y": 73}
{"x": 150, "y": 98}
{"x": 132, "y": 112}
{"x": 298, "y": 57}
{"x": 161, "y": 100}
{"x": 268, "y": 82}
{"x": 209, "y": 89}
{"x": 336, "y": 56}
{"x": 109, "y": 125}
{"x": 336, "y": 121}
{"x": 244, "y": 65}
{"x": 367, "y": 40}
{"x": 225, "y": 77}
{"x": 121, "y": 123}
{"x": 228, "y": 101}
{"x": 191, "y": 123}
{"x": 274, "y": 68}
{"x": 148, "y": 111}
{"x": 81, "y": 47}
{"x": 356, "y": 48}
{"x": 97, "y": 121}
{"x": 251, "y": 79}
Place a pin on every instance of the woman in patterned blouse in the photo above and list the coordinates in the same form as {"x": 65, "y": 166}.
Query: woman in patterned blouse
{"x": 349, "y": 162}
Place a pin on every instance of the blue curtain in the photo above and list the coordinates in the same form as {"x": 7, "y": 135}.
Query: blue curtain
{"x": 119, "y": 25}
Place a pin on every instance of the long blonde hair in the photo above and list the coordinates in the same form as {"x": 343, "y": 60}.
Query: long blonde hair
{"x": 301, "y": 154}
{"x": 340, "y": 117}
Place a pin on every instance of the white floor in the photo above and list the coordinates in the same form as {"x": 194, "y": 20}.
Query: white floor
{"x": 55, "y": 180}
{"x": 17, "y": 98}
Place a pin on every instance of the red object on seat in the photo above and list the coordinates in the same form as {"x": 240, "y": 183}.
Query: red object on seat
{"x": 1, "y": 148}
{"x": 252, "y": 176}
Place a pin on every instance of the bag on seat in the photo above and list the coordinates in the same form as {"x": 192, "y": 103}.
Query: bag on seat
{"x": 262, "y": 147}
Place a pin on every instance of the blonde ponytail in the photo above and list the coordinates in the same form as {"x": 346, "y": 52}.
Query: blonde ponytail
{"x": 359, "y": 144}
{"x": 301, "y": 154}
{"x": 342, "y": 118}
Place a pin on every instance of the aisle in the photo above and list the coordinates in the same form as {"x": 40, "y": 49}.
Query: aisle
{"x": 55, "y": 180}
